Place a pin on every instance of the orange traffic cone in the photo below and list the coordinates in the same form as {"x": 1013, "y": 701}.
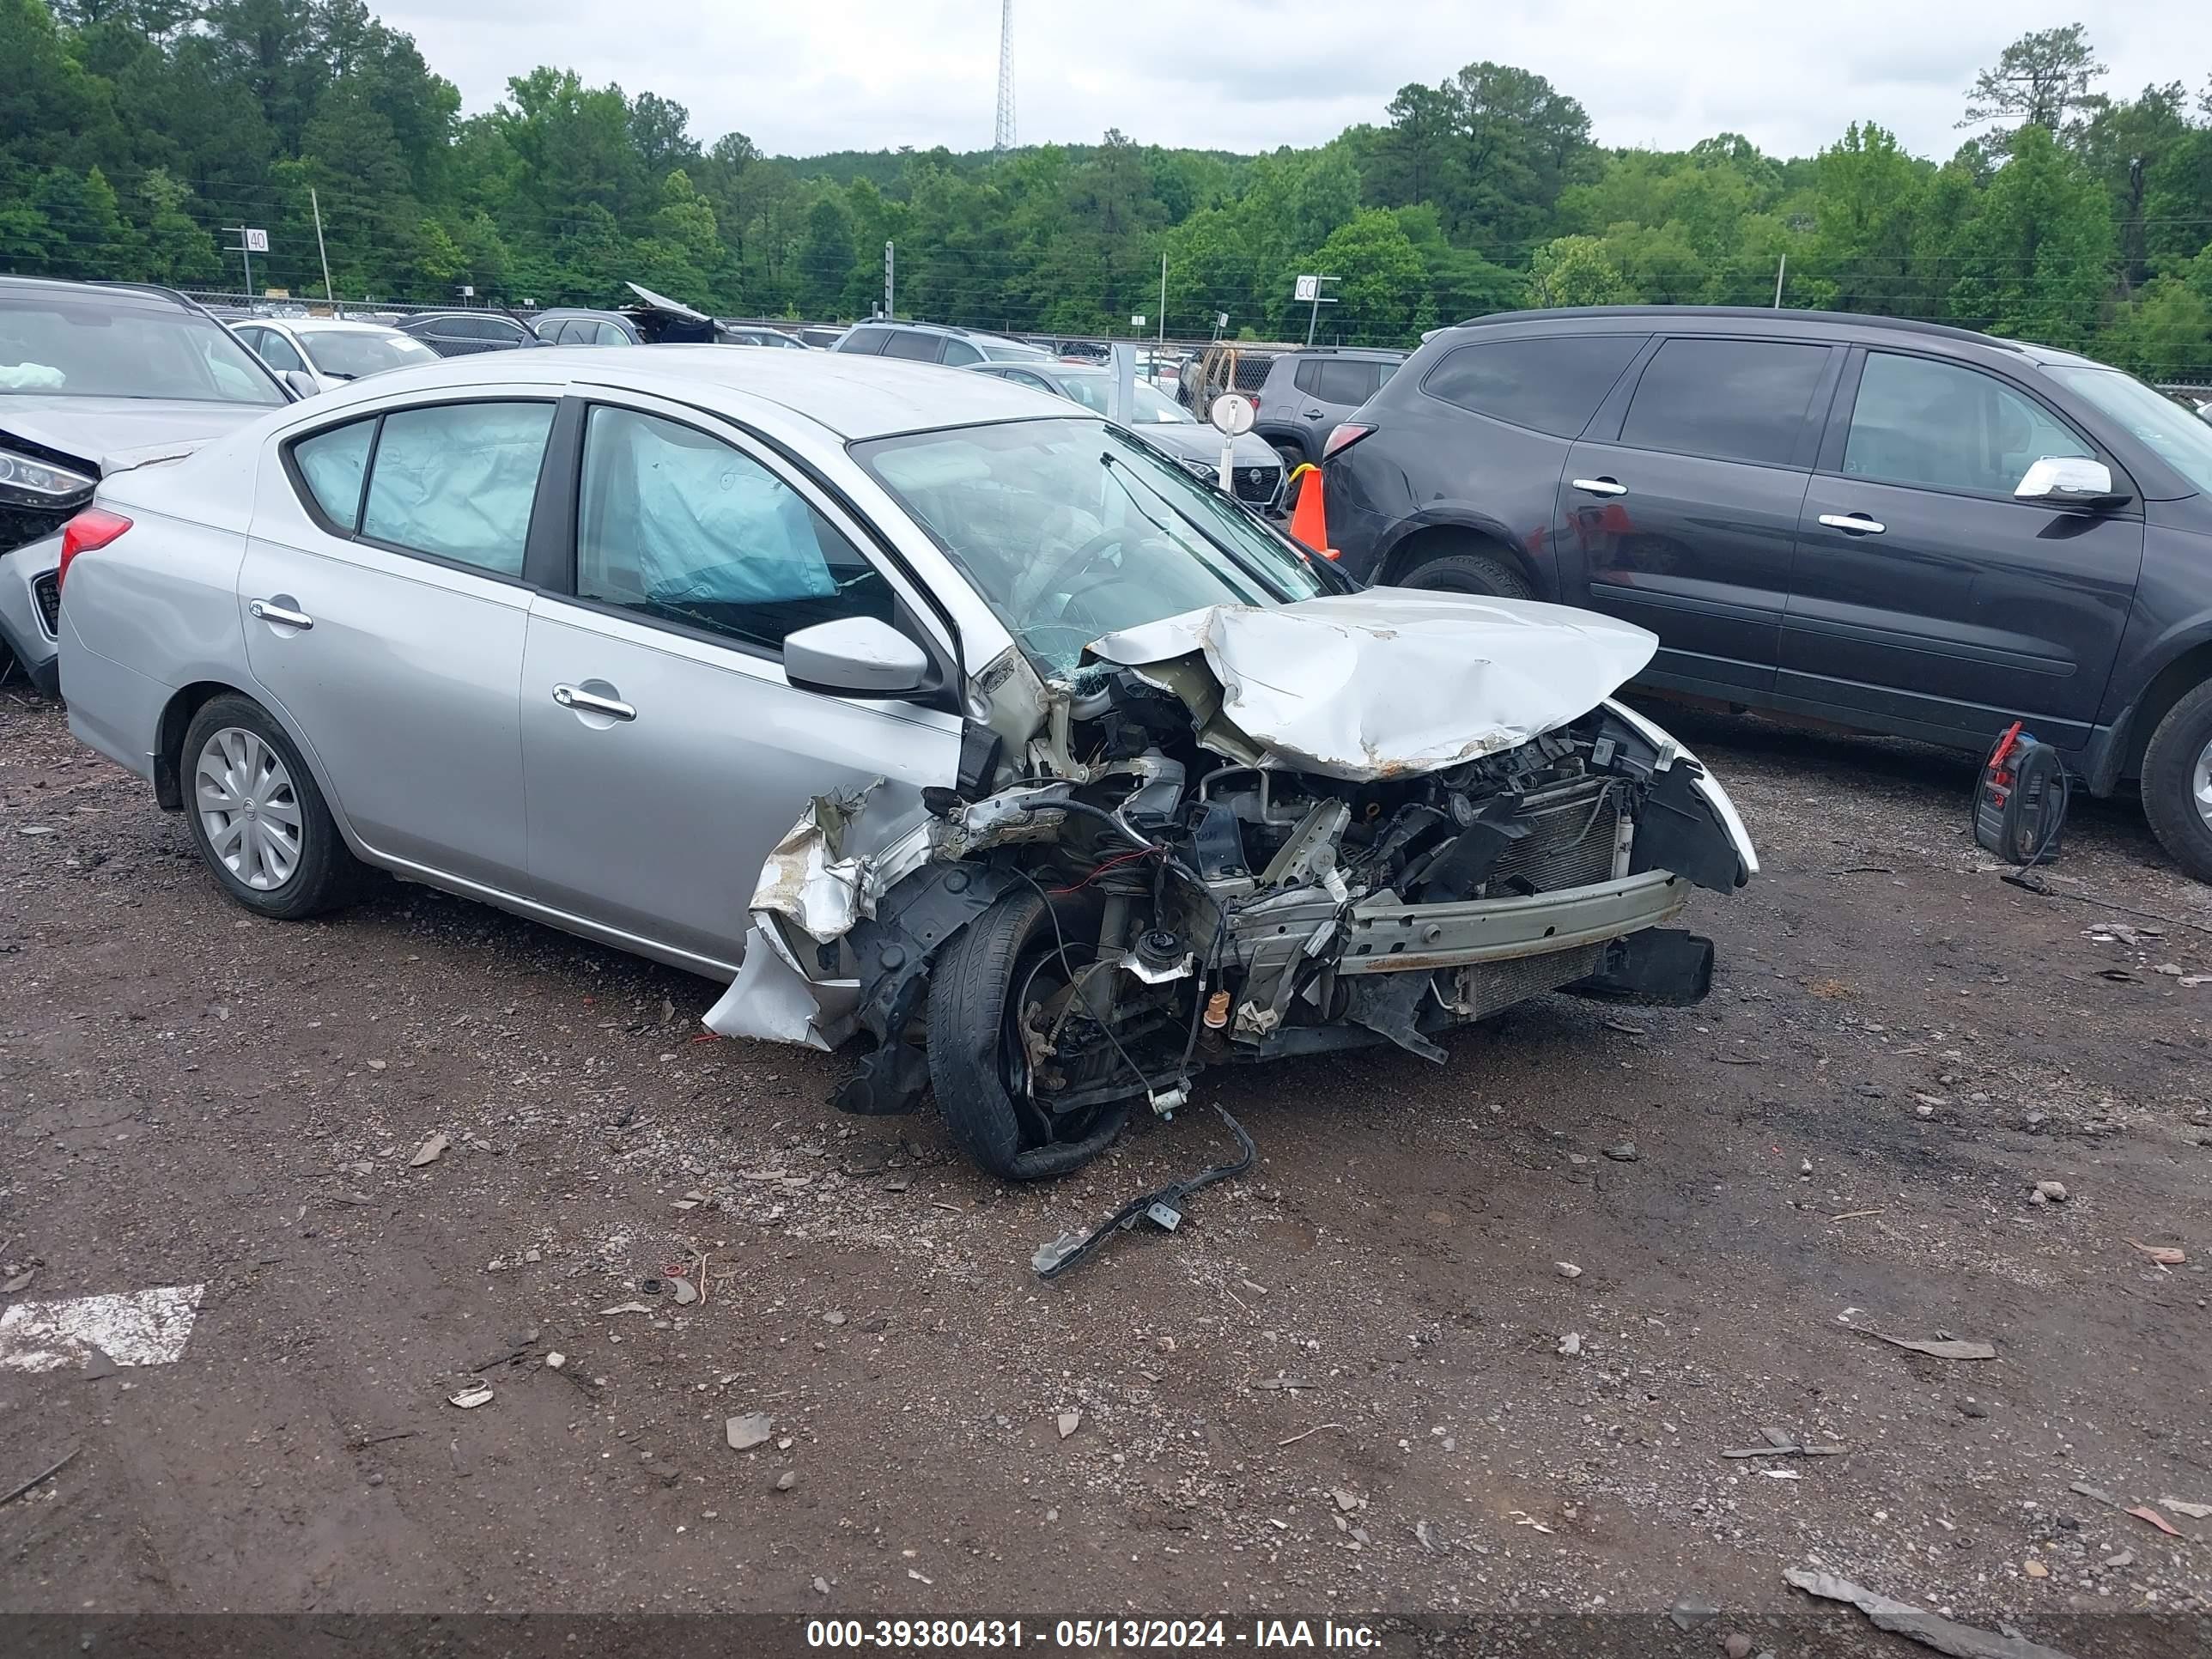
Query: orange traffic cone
{"x": 1309, "y": 515}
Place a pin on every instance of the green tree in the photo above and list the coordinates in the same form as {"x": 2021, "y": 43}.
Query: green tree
{"x": 1574, "y": 271}
{"x": 1381, "y": 280}
{"x": 2163, "y": 333}
{"x": 2040, "y": 80}
{"x": 1868, "y": 202}
{"x": 2037, "y": 259}
{"x": 826, "y": 256}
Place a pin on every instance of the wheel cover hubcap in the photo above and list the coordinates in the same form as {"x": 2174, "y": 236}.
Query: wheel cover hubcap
{"x": 2200, "y": 785}
{"x": 248, "y": 808}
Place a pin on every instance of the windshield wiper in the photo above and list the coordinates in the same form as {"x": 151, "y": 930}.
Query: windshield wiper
{"x": 1267, "y": 580}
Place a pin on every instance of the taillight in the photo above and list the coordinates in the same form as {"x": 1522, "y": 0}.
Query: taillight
{"x": 93, "y": 527}
{"x": 1347, "y": 433}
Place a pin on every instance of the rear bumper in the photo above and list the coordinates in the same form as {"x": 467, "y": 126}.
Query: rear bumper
{"x": 1384, "y": 937}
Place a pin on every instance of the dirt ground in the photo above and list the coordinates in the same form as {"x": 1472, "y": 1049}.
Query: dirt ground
{"x": 1341, "y": 1387}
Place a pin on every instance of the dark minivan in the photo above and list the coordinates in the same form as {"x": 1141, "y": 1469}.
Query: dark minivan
{"x": 1895, "y": 526}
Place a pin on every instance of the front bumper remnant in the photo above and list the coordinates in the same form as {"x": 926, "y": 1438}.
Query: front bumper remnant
{"x": 1385, "y": 937}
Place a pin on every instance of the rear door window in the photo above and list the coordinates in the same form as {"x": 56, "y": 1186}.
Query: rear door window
{"x": 1551, "y": 386}
{"x": 904, "y": 342}
{"x": 456, "y": 481}
{"x": 1942, "y": 426}
{"x": 1730, "y": 400}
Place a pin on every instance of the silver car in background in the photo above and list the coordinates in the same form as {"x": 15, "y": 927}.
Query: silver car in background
{"x": 93, "y": 376}
{"x": 329, "y": 351}
{"x": 893, "y": 697}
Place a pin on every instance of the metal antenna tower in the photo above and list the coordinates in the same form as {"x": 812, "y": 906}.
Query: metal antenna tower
{"x": 1004, "y": 138}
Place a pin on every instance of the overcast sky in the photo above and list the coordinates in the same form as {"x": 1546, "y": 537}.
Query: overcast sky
{"x": 802, "y": 77}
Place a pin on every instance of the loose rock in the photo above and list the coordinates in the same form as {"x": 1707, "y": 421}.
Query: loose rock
{"x": 752, "y": 1430}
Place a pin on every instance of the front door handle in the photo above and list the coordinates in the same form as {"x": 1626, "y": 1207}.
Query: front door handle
{"x": 1853, "y": 523}
{"x": 1602, "y": 486}
{"x": 574, "y": 697}
{"x": 282, "y": 615}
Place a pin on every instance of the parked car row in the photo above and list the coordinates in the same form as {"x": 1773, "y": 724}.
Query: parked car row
{"x": 1895, "y": 526}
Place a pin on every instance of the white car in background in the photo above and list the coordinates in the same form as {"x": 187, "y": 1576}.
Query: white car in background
{"x": 329, "y": 351}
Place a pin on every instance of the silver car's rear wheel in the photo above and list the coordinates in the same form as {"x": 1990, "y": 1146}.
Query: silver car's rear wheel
{"x": 248, "y": 808}
{"x": 257, "y": 814}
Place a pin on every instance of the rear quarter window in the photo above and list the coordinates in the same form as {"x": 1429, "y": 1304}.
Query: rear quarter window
{"x": 329, "y": 466}
{"x": 1552, "y": 386}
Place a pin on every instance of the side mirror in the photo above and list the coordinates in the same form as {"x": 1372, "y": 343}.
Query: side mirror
{"x": 855, "y": 657}
{"x": 2068, "y": 480}
{"x": 302, "y": 383}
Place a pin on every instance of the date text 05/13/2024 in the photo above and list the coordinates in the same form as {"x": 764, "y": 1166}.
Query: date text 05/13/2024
{"x": 1088, "y": 1635}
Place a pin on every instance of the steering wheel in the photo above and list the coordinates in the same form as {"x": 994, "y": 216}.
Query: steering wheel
{"x": 1043, "y": 582}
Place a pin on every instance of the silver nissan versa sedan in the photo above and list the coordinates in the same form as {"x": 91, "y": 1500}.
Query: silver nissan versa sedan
{"x": 926, "y": 711}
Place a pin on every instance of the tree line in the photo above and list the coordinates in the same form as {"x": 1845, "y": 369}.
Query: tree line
{"x": 136, "y": 136}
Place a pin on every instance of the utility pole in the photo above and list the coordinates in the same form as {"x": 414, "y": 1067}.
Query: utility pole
{"x": 890, "y": 270}
{"x": 1779, "y": 268}
{"x": 329, "y": 293}
{"x": 1163, "y": 299}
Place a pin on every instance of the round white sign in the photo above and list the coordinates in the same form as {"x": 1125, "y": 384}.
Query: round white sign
{"x": 1231, "y": 413}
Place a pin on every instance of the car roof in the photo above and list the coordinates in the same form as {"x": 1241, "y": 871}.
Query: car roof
{"x": 136, "y": 296}
{"x": 953, "y": 329}
{"x": 1858, "y": 327}
{"x": 849, "y": 394}
{"x": 326, "y": 325}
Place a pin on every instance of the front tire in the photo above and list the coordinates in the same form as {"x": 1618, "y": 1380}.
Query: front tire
{"x": 2176, "y": 782}
{"x": 257, "y": 816}
{"x": 980, "y": 989}
{"x": 1485, "y": 574}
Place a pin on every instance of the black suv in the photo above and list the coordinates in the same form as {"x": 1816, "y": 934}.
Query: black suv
{"x": 1895, "y": 526}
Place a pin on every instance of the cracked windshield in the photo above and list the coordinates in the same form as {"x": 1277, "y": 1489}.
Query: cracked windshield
{"x": 1070, "y": 530}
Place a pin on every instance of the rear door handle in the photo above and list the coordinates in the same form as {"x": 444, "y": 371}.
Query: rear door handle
{"x": 1853, "y": 523}
{"x": 1316, "y": 414}
{"x": 572, "y": 696}
{"x": 283, "y": 616}
{"x": 1602, "y": 486}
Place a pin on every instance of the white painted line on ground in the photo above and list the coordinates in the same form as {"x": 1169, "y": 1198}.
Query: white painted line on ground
{"x": 143, "y": 1327}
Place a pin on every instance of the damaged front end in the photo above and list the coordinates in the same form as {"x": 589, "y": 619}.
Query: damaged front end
{"x": 1242, "y": 833}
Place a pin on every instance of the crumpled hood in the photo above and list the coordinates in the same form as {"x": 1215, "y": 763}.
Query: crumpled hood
{"x": 113, "y": 433}
{"x": 1387, "y": 682}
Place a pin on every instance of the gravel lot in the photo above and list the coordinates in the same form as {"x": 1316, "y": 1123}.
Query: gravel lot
{"x": 1339, "y": 1387}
